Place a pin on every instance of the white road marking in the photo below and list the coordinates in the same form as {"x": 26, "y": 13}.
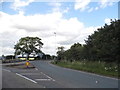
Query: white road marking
{"x": 41, "y": 72}
{"x": 26, "y": 78}
{"x": 49, "y": 77}
{"x": 96, "y": 82}
{"x": 6, "y": 70}
{"x": 36, "y": 69}
{"x": 43, "y": 79}
{"x": 30, "y": 73}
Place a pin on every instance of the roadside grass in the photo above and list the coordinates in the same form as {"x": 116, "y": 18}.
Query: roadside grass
{"x": 102, "y": 68}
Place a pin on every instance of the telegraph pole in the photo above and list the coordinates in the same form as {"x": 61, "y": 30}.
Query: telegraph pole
{"x": 55, "y": 41}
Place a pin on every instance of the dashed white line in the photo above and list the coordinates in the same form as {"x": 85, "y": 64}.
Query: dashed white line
{"x": 6, "y": 70}
{"x": 26, "y": 78}
{"x": 36, "y": 69}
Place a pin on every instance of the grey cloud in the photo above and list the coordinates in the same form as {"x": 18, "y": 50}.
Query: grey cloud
{"x": 8, "y": 39}
{"x": 31, "y": 28}
{"x": 68, "y": 41}
{"x": 74, "y": 40}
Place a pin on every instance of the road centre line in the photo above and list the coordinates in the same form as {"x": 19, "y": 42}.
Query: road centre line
{"x": 6, "y": 70}
{"x": 26, "y": 78}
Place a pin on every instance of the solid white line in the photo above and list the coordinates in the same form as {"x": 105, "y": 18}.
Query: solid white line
{"x": 6, "y": 70}
{"x": 43, "y": 79}
{"x": 49, "y": 77}
{"x": 26, "y": 78}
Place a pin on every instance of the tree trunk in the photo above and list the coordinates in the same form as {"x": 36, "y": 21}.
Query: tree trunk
{"x": 28, "y": 56}
{"x": 22, "y": 54}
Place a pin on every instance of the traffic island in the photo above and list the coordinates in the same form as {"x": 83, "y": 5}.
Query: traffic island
{"x": 21, "y": 66}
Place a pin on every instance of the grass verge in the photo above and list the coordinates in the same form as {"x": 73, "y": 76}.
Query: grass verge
{"x": 101, "y": 68}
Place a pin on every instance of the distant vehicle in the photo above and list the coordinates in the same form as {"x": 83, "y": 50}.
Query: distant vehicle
{"x": 24, "y": 58}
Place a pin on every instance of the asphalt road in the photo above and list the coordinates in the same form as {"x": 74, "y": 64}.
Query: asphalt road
{"x": 46, "y": 75}
{"x": 76, "y": 79}
{"x": 12, "y": 80}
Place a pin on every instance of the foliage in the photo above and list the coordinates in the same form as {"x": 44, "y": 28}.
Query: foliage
{"x": 102, "y": 45}
{"x": 28, "y": 45}
{"x": 9, "y": 57}
{"x": 74, "y": 53}
{"x": 60, "y": 53}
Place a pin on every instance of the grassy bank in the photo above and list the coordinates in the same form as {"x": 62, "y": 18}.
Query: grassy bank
{"x": 102, "y": 68}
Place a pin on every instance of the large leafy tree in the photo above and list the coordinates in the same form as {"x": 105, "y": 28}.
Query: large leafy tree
{"x": 28, "y": 45}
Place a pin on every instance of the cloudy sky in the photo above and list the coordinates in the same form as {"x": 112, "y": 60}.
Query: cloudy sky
{"x": 71, "y": 20}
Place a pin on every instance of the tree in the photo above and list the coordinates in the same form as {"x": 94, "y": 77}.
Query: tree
{"x": 48, "y": 57}
{"x": 104, "y": 43}
{"x": 60, "y": 53}
{"x": 10, "y": 57}
{"x": 28, "y": 45}
{"x": 74, "y": 53}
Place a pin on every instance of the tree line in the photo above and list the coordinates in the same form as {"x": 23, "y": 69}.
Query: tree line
{"x": 102, "y": 45}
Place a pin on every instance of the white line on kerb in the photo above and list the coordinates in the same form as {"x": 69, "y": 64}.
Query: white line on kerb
{"x": 6, "y": 70}
{"x": 26, "y": 78}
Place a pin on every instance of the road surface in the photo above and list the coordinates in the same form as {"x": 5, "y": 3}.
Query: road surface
{"x": 46, "y": 75}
